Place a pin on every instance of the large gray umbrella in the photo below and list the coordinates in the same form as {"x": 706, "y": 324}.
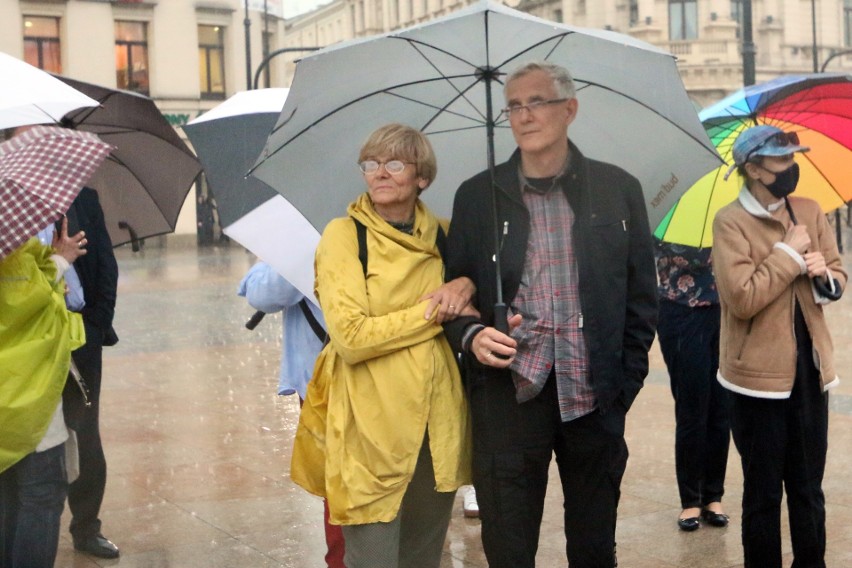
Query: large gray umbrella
{"x": 446, "y": 78}
{"x": 143, "y": 184}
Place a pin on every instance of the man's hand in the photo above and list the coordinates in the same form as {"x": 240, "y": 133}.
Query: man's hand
{"x": 489, "y": 343}
{"x": 451, "y": 300}
{"x": 69, "y": 248}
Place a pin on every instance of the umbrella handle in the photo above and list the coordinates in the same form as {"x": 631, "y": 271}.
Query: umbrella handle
{"x": 134, "y": 238}
{"x": 255, "y": 319}
{"x": 501, "y": 322}
{"x": 501, "y": 317}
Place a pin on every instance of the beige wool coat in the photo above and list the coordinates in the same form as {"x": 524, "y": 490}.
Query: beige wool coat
{"x": 758, "y": 280}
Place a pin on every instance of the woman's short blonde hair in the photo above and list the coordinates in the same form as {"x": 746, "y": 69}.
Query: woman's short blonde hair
{"x": 401, "y": 142}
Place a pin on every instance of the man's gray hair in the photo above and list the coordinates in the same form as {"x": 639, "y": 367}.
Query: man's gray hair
{"x": 562, "y": 80}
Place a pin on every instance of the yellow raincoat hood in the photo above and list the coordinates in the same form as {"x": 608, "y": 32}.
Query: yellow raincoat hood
{"x": 37, "y": 335}
{"x": 387, "y": 374}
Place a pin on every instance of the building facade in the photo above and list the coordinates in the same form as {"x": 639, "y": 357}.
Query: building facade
{"x": 705, "y": 35}
{"x": 189, "y": 55}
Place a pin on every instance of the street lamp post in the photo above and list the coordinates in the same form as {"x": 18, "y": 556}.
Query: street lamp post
{"x": 265, "y": 63}
{"x": 748, "y": 46}
{"x": 813, "y": 36}
{"x": 247, "y": 24}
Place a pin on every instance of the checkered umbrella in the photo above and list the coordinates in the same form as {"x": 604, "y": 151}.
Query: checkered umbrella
{"x": 41, "y": 172}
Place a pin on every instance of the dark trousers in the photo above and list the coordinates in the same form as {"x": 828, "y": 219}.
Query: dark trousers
{"x": 783, "y": 444}
{"x": 32, "y": 496}
{"x": 86, "y": 494}
{"x": 689, "y": 340}
{"x": 513, "y": 444}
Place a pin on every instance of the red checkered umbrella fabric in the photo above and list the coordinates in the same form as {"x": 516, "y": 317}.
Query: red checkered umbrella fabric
{"x": 41, "y": 172}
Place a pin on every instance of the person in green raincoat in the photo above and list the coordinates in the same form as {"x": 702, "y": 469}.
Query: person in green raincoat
{"x": 37, "y": 335}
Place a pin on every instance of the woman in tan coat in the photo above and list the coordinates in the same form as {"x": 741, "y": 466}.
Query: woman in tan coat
{"x": 384, "y": 431}
{"x": 777, "y": 264}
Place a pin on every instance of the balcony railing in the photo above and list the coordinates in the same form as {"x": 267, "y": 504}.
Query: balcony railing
{"x": 703, "y": 51}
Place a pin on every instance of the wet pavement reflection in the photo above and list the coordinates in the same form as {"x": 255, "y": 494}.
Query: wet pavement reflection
{"x": 198, "y": 444}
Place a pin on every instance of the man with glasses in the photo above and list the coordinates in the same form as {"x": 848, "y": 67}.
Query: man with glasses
{"x": 579, "y": 278}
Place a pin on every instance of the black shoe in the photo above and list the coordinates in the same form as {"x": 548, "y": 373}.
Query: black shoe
{"x": 688, "y": 525}
{"x": 714, "y": 519}
{"x": 96, "y": 545}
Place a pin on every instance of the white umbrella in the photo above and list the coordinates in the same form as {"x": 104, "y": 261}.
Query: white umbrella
{"x": 446, "y": 78}
{"x": 227, "y": 139}
{"x": 29, "y": 95}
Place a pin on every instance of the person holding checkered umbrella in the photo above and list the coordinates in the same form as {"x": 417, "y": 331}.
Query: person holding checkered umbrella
{"x": 41, "y": 171}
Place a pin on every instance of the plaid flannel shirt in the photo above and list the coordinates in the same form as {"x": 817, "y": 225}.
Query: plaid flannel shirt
{"x": 548, "y": 298}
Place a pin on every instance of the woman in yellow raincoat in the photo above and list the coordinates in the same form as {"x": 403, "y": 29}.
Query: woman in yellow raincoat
{"x": 384, "y": 431}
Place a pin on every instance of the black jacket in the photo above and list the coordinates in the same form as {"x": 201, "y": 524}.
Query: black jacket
{"x": 97, "y": 269}
{"x": 615, "y": 258}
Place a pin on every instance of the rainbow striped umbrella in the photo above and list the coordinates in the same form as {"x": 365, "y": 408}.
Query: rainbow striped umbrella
{"x": 817, "y": 106}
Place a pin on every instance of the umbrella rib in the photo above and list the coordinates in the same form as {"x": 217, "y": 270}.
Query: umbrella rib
{"x": 440, "y": 110}
{"x": 557, "y": 39}
{"x": 47, "y": 114}
{"x": 452, "y": 130}
{"x": 86, "y": 112}
{"x": 118, "y": 161}
{"x": 420, "y": 43}
{"x": 346, "y": 105}
{"x": 416, "y": 45}
{"x": 640, "y": 103}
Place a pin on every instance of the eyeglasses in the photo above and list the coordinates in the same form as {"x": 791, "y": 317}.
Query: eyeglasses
{"x": 392, "y": 167}
{"x": 532, "y": 108}
{"x": 779, "y": 139}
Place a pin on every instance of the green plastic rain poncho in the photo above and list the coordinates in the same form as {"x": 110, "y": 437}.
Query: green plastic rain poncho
{"x": 37, "y": 335}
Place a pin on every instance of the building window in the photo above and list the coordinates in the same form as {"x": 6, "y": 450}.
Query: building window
{"x": 847, "y": 23}
{"x": 737, "y": 14}
{"x": 41, "y": 43}
{"x": 557, "y": 16}
{"x": 633, "y": 16}
{"x": 131, "y": 56}
{"x": 683, "y": 19}
{"x": 211, "y": 61}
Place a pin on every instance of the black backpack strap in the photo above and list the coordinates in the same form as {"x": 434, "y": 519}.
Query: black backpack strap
{"x": 361, "y": 230}
{"x": 362, "y": 244}
{"x": 312, "y": 321}
{"x": 441, "y": 242}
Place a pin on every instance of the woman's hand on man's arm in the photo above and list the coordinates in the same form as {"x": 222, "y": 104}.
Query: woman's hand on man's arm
{"x": 451, "y": 300}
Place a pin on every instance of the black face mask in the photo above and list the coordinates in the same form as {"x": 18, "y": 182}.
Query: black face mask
{"x": 785, "y": 182}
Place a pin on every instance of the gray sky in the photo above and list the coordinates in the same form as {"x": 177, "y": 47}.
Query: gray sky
{"x": 296, "y": 7}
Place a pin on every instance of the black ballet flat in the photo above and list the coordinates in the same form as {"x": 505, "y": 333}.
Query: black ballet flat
{"x": 714, "y": 519}
{"x": 689, "y": 524}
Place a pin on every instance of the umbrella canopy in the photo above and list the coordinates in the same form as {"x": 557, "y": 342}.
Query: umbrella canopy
{"x": 818, "y": 107}
{"x": 41, "y": 172}
{"x": 445, "y": 78}
{"x": 143, "y": 185}
{"x": 228, "y": 139}
{"x": 29, "y": 95}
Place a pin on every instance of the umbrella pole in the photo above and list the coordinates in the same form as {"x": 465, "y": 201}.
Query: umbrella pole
{"x": 501, "y": 311}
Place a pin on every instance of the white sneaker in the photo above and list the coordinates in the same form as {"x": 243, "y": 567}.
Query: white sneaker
{"x": 471, "y": 508}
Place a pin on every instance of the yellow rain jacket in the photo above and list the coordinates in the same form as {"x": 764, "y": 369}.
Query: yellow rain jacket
{"x": 37, "y": 335}
{"x": 387, "y": 374}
